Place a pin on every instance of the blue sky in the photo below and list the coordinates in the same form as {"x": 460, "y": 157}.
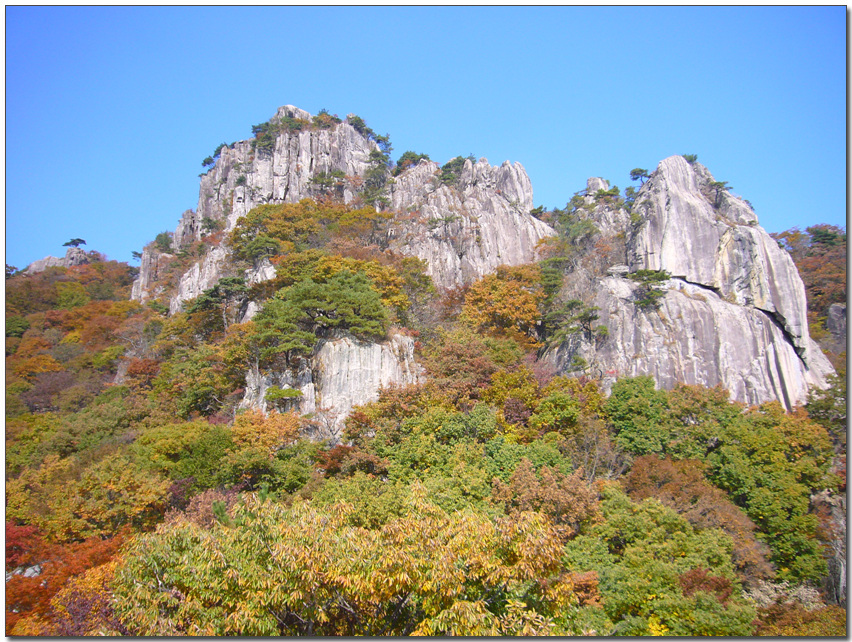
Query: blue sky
{"x": 109, "y": 111}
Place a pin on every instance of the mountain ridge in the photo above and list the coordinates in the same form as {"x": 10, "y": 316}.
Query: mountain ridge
{"x": 681, "y": 222}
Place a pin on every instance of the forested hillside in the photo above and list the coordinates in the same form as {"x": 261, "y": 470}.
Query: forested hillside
{"x": 487, "y": 496}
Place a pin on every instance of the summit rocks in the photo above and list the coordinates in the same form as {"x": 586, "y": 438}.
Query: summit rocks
{"x": 467, "y": 230}
{"x": 734, "y": 311}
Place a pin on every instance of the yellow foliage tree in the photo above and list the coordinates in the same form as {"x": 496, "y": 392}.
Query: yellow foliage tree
{"x": 253, "y": 429}
{"x": 301, "y": 570}
{"x": 507, "y": 302}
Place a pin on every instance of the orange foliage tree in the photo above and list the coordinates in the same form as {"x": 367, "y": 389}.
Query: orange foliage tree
{"x": 508, "y": 301}
{"x": 28, "y": 595}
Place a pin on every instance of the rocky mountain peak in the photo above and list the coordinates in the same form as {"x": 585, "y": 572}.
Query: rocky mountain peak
{"x": 595, "y": 183}
{"x": 693, "y": 228}
{"x": 291, "y": 111}
{"x": 467, "y": 227}
{"x": 73, "y": 256}
{"x": 734, "y": 310}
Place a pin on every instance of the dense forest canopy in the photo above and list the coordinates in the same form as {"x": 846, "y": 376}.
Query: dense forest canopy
{"x": 492, "y": 498}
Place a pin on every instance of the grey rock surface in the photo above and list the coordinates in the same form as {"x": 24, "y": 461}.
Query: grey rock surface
{"x": 463, "y": 231}
{"x": 687, "y": 231}
{"x": 835, "y": 323}
{"x": 610, "y": 219}
{"x": 466, "y": 230}
{"x": 344, "y": 372}
{"x": 244, "y": 178}
{"x": 695, "y": 337}
{"x": 734, "y": 313}
{"x": 73, "y": 256}
{"x": 148, "y": 284}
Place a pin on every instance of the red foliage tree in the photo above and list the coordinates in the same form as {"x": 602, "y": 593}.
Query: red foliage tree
{"x": 54, "y": 564}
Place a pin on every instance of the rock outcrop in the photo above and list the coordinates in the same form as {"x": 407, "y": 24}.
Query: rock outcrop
{"x": 149, "y": 285}
{"x": 74, "y": 256}
{"x": 734, "y": 312}
{"x": 610, "y": 220}
{"x": 694, "y": 337}
{"x": 466, "y": 230}
{"x": 463, "y": 231}
{"x": 343, "y": 373}
{"x": 245, "y": 176}
{"x": 835, "y": 323}
{"x": 709, "y": 237}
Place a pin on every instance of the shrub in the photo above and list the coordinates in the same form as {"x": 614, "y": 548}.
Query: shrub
{"x": 163, "y": 242}
{"x": 649, "y": 294}
{"x": 324, "y": 120}
{"x": 408, "y": 159}
{"x": 451, "y": 171}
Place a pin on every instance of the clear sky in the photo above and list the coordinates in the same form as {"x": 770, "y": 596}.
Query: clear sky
{"x": 110, "y": 111}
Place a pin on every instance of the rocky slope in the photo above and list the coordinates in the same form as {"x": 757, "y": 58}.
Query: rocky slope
{"x": 74, "y": 256}
{"x": 734, "y": 312}
{"x": 467, "y": 230}
{"x": 463, "y": 231}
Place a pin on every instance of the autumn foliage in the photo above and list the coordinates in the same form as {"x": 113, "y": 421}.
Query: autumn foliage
{"x": 493, "y": 497}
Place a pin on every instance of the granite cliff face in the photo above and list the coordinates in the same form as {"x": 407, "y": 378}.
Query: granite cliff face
{"x": 714, "y": 240}
{"x": 74, "y": 256}
{"x": 467, "y": 230}
{"x": 343, "y": 373}
{"x": 694, "y": 337}
{"x": 463, "y": 231}
{"x": 734, "y": 311}
{"x": 245, "y": 177}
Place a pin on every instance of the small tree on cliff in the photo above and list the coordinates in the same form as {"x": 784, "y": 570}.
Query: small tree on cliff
{"x": 639, "y": 174}
{"x": 74, "y": 243}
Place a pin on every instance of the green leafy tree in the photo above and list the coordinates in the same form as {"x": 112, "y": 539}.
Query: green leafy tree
{"x": 74, "y": 243}
{"x": 408, "y": 159}
{"x": 280, "y": 333}
{"x": 557, "y": 412}
{"x": 192, "y": 451}
{"x": 452, "y": 169}
{"x": 224, "y": 297}
{"x": 193, "y": 381}
{"x": 650, "y": 562}
{"x": 639, "y": 174}
{"x": 163, "y": 242}
{"x": 346, "y": 301}
{"x": 682, "y": 486}
{"x": 826, "y": 407}
{"x": 637, "y": 412}
{"x": 769, "y": 462}
{"x": 650, "y": 291}
{"x": 303, "y": 571}
{"x": 719, "y": 188}
{"x": 374, "y": 190}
